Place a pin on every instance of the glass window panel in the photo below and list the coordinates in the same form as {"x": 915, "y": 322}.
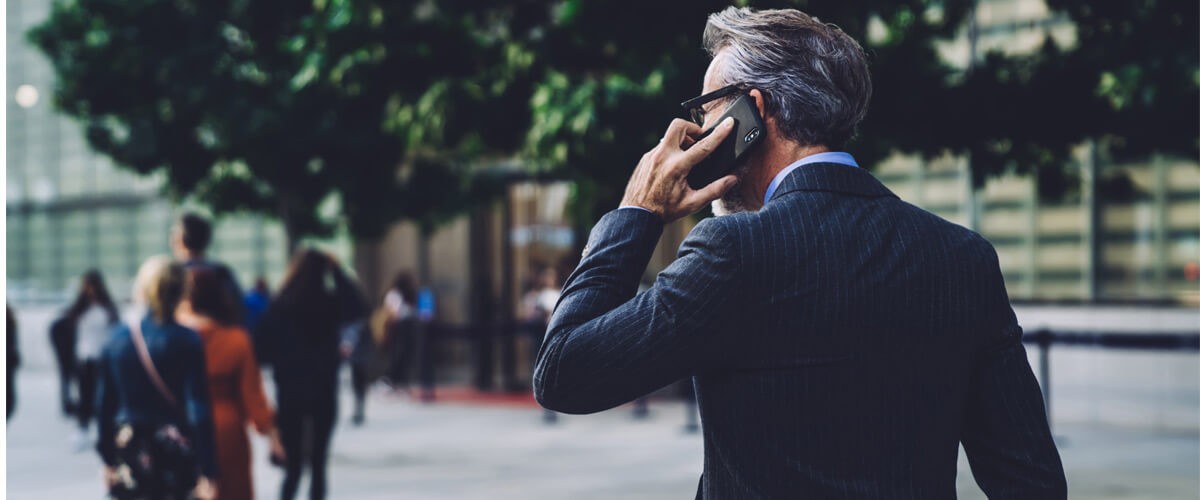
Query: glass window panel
{"x": 114, "y": 264}
{"x": 74, "y": 178}
{"x": 14, "y": 185}
{"x": 76, "y": 241}
{"x": 109, "y": 179}
{"x": 17, "y": 247}
{"x": 153, "y": 227}
{"x": 34, "y": 131}
{"x": 1128, "y": 251}
{"x": 43, "y": 253}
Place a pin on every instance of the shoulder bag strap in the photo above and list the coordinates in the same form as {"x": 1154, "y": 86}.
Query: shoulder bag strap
{"x": 144, "y": 354}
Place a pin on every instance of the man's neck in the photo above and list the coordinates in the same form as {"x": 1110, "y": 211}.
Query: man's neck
{"x": 777, "y": 157}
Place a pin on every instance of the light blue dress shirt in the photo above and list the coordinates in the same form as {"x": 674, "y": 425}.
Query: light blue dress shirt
{"x": 831, "y": 157}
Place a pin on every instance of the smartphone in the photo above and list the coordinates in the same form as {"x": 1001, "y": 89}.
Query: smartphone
{"x": 747, "y": 131}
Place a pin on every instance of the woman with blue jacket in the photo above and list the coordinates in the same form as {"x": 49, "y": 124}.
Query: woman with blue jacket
{"x": 156, "y": 434}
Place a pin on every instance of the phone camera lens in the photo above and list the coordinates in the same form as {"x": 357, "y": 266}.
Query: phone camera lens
{"x": 750, "y": 137}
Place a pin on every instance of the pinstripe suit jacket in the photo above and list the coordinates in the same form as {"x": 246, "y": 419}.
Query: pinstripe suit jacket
{"x": 842, "y": 342}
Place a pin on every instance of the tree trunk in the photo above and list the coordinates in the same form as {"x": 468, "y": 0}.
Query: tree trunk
{"x": 425, "y": 334}
{"x": 483, "y": 304}
{"x": 508, "y": 340}
{"x": 424, "y": 275}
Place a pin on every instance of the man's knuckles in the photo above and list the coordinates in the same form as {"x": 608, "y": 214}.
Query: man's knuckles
{"x": 678, "y": 127}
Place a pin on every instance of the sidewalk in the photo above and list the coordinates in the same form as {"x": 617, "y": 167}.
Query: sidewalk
{"x": 468, "y": 447}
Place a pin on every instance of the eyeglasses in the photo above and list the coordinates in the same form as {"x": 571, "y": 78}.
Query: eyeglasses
{"x": 695, "y": 105}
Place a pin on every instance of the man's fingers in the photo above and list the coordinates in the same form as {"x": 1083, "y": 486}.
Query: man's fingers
{"x": 712, "y": 191}
{"x": 707, "y": 145}
{"x": 679, "y": 129}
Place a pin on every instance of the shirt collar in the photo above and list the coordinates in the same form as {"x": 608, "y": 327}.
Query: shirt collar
{"x": 830, "y": 157}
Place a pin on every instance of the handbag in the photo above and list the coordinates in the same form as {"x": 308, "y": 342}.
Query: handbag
{"x": 154, "y": 461}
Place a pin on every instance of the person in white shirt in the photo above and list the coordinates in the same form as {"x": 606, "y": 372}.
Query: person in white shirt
{"x": 95, "y": 317}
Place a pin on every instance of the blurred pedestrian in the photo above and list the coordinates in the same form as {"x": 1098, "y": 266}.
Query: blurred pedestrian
{"x": 400, "y": 304}
{"x": 14, "y": 362}
{"x": 94, "y": 318}
{"x": 234, "y": 382}
{"x": 425, "y": 335}
{"x": 190, "y": 238}
{"x": 536, "y": 306}
{"x": 357, "y": 345}
{"x": 62, "y": 341}
{"x": 156, "y": 435}
{"x": 538, "y": 303}
{"x": 299, "y": 336}
{"x": 255, "y": 302}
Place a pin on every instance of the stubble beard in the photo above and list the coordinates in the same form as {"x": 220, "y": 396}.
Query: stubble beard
{"x": 733, "y": 201}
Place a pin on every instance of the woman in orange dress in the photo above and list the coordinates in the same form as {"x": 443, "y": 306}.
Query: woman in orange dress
{"x": 234, "y": 382}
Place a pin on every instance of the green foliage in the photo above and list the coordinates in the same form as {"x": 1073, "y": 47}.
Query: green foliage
{"x": 1128, "y": 81}
{"x": 397, "y": 109}
{"x": 274, "y": 107}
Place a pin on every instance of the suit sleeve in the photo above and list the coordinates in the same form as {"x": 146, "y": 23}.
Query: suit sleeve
{"x": 605, "y": 347}
{"x": 1006, "y": 434}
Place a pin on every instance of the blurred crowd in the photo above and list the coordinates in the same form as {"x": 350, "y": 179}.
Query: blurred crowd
{"x": 165, "y": 395}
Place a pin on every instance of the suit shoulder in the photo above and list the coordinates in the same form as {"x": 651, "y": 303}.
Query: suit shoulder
{"x": 967, "y": 238}
{"x": 720, "y": 238}
{"x": 727, "y": 227}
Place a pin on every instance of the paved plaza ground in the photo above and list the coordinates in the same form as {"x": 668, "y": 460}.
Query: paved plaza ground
{"x": 471, "y": 447}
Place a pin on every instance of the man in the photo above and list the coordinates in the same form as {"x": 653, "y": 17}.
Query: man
{"x": 843, "y": 342}
{"x": 190, "y": 237}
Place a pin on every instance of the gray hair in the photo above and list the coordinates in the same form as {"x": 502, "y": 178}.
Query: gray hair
{"x": 813, "y": 76}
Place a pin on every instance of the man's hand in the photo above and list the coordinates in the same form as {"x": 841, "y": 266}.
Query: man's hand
{"x": 659, "y": 183}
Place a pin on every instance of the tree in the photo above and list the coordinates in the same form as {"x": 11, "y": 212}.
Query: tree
{"x": 1128, "y": 81}
{"x": 199, "y": 91}
{"x": 431, "y": 88}
{"x": 278, "y": 108}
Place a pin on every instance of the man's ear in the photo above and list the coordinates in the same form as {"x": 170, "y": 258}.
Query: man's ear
{"x": 760, "y": 103}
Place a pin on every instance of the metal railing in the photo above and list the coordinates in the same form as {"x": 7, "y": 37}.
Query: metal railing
{"x": 1044, "y": 338}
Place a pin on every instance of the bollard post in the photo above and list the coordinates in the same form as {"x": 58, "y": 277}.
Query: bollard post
{"x": 1043, "y": 341}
